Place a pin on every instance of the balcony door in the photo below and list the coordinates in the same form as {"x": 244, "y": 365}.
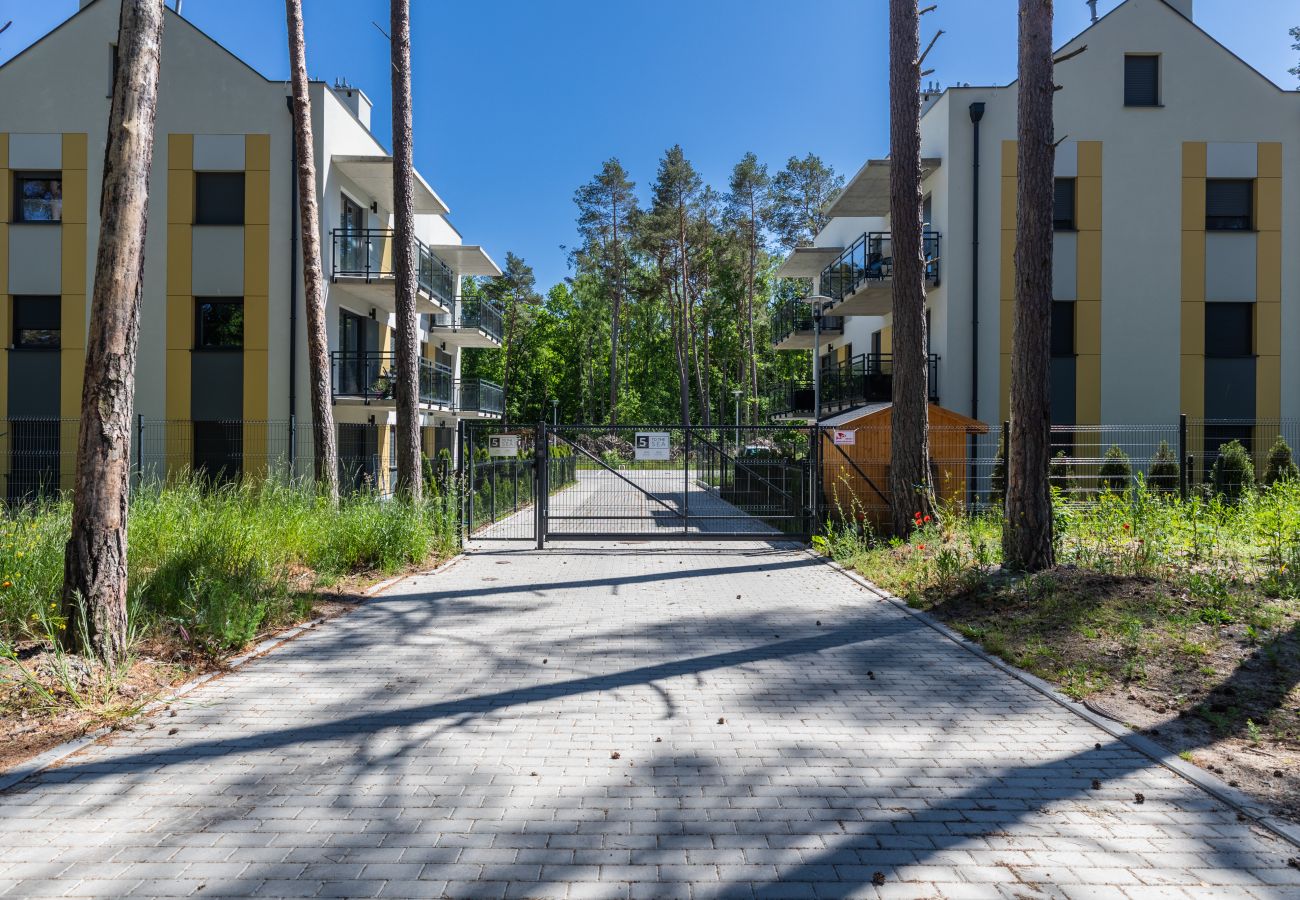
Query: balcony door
{"x": 352, "y": 221}
{"x": 352, "y": 352}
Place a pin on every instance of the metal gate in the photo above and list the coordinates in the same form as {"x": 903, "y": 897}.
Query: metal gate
{"x": 498, "y": 481}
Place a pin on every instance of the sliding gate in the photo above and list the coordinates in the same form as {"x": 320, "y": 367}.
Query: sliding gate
{"x": 669, "y": 482}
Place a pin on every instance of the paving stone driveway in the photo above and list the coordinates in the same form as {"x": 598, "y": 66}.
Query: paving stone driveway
{"x": 634, "y": 720}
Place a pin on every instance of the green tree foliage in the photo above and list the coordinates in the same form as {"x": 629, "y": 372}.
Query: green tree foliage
{"x": 665, "y": 321}
{"x": 1164, "y": 472}
{"x": 1233, "y": 474}
{"x": 1295, "y": 33}
{"x": 1116, "y": 471}
{"x": 1281, "y": 465}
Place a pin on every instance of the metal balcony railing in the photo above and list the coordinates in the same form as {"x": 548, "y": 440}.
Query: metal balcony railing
{"x": 866, "y": 378}
{"x": 481, "y": 314}
{"x": 477, "y": 395}
{"x": 372, "y": 377}
{"x": 795, "y": 316}
{"x": 871, "y": 258}
{"x": 368, "y": 253}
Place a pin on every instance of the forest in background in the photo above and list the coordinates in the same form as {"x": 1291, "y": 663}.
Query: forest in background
{"x": 667, "y": 308}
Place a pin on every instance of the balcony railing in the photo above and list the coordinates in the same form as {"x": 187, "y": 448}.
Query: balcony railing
{"x": 871, "y": 258}
{"x": 795, "y": 316}
{"x": 477, "y": 395}
{"x": 372, "y": 377}
{"x": 480, "y": 314}
{"x": 866, "y": 378}
{"x": 368, "y": 253}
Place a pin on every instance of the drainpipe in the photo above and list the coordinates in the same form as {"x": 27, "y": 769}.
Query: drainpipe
{"x": 976, "y": 114}
{"x": 293, "y": 294}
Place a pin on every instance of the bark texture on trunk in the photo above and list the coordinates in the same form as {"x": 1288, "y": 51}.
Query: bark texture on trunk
{"x": 324, "y": 446}
{"x": 406, "y": 340}
{"x": 94, "y": 574}
{"x": 910, "y": 488}
{"x": 1027, "y": 543}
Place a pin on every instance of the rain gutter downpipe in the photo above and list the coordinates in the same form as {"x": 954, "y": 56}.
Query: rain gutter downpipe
{"x": 976, "y": 114}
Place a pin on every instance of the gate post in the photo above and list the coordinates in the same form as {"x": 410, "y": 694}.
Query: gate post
{"x": 1184, "y": 476}
{"x": 541, "y": 472}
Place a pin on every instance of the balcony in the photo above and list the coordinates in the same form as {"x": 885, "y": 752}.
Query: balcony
{"x": 866, "y": 378}
{"x": 861, "y": 280}
{"x": 371, "y": 378}
{"x": 362, "y": 264}
{"x": 792, "y": 326}
{"x": 476, "y": 398}
{"x": 471, "y": 323}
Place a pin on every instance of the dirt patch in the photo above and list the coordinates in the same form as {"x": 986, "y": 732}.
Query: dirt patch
{"x": 1211, "y": 674}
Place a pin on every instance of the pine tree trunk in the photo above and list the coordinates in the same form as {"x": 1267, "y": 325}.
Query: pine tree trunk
{"x": 1027, "y": 535}
{"x": 94, "y": 573}
{"x": 614, "y": 322}
{"x": 325, "y": 449}
{"x": 749, "y": 312}
{"x": 506, "y": 346}
{"x": 409, "y": 476}
{"x": 910, "y": 488}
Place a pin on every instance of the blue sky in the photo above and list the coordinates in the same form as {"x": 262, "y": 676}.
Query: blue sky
{"x": 517, "y": 102}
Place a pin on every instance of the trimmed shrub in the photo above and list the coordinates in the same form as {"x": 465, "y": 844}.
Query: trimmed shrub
{"x": 1233, "y": 475}
{"x": 1063, "y": 475}
{"x": 1163, "y": 476}
{"x": 1281, "y": 466}
{"x": 1116, "y": 471}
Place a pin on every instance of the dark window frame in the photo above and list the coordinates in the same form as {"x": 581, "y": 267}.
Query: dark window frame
{"x": 199, "y": 331}
{"x": 18, "y": 313}
{"x": 1132, "y": 100}
{"x": 16, "y": 204}
{"x": 1060, "y": 222}
{"x": 1230, "y": 221}
{"x": 1059, "y": 329}
{"x": 222, "y": 216}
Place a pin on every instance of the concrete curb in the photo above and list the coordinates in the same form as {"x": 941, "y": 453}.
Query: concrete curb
{"x": 1238, "y": 800}
{"x": 56, "y": 755}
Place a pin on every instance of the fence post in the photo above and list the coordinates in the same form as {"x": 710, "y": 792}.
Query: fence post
{"x": 139, "y": 449}
{"x": 541, "y": 466}
{"x": 1189, "y": 463}
{"x": 1184, "y": 476}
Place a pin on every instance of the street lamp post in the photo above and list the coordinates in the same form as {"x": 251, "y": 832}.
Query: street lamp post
{"x": 818, "y": 303}
{"x": 555, "y": 412}
{"x": 736, "y": 393}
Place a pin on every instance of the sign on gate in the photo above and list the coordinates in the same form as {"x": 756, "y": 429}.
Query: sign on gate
{"x": 653, "y": 445}
{"x": 503, "y": 445}
{"x": 844, "y": 438}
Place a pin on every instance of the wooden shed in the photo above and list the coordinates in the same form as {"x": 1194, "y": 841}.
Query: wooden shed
{"x": 855, "y": 460}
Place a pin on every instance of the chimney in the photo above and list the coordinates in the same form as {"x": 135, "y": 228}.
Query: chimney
{"x": 354, "y": 99}
{"x": 1184, "y": 7}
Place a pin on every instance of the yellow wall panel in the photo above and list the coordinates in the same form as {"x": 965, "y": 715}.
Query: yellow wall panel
{"x": 1008, "y": 265}
{"x": 1268, "y": 329}
{"x": 72, "y": 371}
{"x": 1006, "y": 324}
{"x": 1193, "y": 326}
{"x": 74, "y": 260}
{"x": 1195, "y": 159}
{"x": 4, "y": 257}
{"x": 257, "y": 261}
{"x": 1010, "y": 164}
{"x": 1088, "y": 203}
{"x": 256, "y": 323}
{"x": 180, "y": 322}
{"x": 1268, "y": 388}
{"x": 1193, "y": 204}
{"x": 178, "y": 384}
{"x": 1268, "y": 277}
{"x": 1088, "y": 267}
{"x": 180, "y": 197}
{"x": 1270, "y": 160}
{"x": 257, "y": 152}
{"x": 1004, "y": 404}
{"x": 1193, "y": 384}
{"x": 180, "y": 255}
{"x": 74, "y": 152}
{"x": 72, "y": 309}
{"x": 257, "y": 194}
{"x": 1087, "y": 389}
{"x": 1087, "y": 327}
{"x": 887, "y": 339}
{"x": 1089, "y": 159}
{"x": 75, "y": 202}
{"x": 1268, "y": 204}
{"x": 180, "y": 151}
{"x": 1193, "y": 265}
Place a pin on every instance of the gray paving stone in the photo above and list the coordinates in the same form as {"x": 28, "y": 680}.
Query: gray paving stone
{"x": 455, "y": 738}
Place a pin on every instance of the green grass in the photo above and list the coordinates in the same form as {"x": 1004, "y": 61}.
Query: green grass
{"x": 218, "y": 567}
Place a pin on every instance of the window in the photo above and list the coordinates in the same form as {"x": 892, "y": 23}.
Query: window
{"x": 38, "y": 197}
{"x": 1062, "y": 328}
{"x": 36, "y": 323}
{"x": 1229, "y": 204}
{"x": 218, "y": 324}
{"x": 1229, "y": 329}
{"x": 1141, "y": 80}
{"x": 1063, "y": 218}
{"x": 218, "y": 198}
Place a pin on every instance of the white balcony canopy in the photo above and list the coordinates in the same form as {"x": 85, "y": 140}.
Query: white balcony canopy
{"x": 868, "y": 193}
{"x": 374, "y": 175}
{"x": 808, "y": 262}
{"x": 466, "y": 259}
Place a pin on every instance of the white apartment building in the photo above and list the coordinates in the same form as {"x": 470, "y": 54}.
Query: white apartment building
{"x": 1177, "y": 269}
{"x": 222, "y": 377}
